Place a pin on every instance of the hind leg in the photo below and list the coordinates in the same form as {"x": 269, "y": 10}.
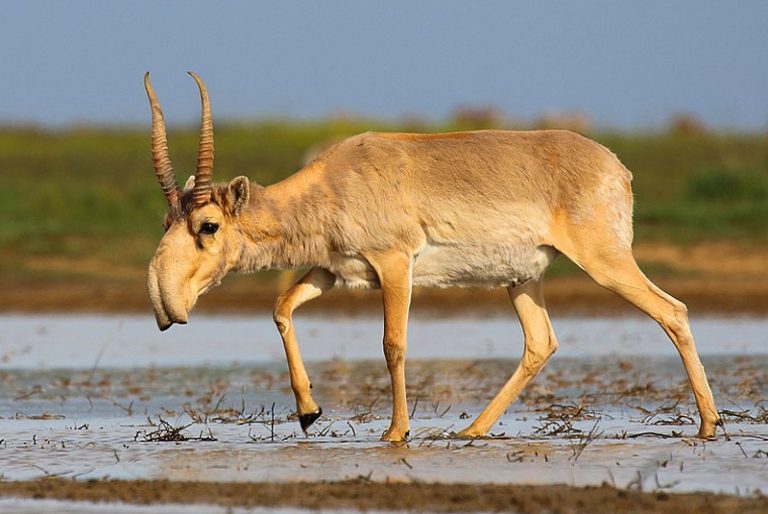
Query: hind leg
{"x": 617, "y": 270}
{"x": 540, "y": 344}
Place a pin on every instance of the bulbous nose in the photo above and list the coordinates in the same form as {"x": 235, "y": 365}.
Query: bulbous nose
{"x": 167, "y": 295}
{"x": 173, "y": 313}
{"x": 167, "y": 323}
{"x": 179, "y": 318}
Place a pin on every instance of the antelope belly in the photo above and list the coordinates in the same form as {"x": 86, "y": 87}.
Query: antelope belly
{"x": 480, "y": 265}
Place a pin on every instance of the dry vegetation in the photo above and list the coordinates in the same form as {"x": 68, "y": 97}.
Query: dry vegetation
{"x": 575, "y": 408}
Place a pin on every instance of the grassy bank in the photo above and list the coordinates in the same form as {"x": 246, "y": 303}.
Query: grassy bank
{"x": 81, "y": 205}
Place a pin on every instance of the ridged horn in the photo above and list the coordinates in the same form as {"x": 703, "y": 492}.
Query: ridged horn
{"x": 201, "y": 194}
{"x": 160, "y": 158}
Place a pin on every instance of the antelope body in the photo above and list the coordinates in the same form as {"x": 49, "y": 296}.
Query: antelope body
{"x": 393, "y": 211}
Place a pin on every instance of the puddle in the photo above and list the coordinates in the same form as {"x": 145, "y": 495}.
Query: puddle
{"x": 82, "y": 397}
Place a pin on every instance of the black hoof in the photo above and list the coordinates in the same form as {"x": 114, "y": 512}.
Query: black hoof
{"x": 306, "y": 420}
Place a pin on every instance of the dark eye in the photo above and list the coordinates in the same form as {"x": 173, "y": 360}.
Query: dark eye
{"x": 208, "y": 228}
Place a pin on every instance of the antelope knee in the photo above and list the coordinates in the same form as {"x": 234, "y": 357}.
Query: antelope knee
{"x": 282, "y": 318}
{"x": 394, "y": 350}
{"x": 678, "y": 323}
{"x": 538, "y": 353}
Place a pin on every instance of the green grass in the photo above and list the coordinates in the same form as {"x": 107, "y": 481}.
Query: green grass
{"x": 697, "y": 187}
{"x": 91, "y": 192}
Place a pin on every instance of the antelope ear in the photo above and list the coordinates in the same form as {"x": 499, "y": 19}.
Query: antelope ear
{"x": 190, "y": 184}
{"x": 238, "y": 194}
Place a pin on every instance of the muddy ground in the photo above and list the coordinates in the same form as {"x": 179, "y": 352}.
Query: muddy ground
{"x": 149, "y": 430}
{"x": 366, "y": 495}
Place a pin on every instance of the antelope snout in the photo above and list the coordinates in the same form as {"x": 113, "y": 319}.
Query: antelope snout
{"x": 181, "y": 320}
{"x": 168, "y": 299}
{"x": 171, "y": 310}
{"x": 168, "y": 321}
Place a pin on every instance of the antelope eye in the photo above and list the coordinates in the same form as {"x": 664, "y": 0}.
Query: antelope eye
{"x": 208, "y": 228}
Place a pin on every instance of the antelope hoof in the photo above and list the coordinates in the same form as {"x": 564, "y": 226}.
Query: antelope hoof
{"x": 393, "y": 435}
{"x": 469, "y": 433}
{"x": 707, "y": 430}
{"x": 306, "y": 420}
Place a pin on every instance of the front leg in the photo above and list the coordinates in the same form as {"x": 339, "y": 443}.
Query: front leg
{"x": 310, "y": 286}
{"x": 394, "y": 271}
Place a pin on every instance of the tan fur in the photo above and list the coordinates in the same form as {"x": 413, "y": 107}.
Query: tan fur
{"x": 393, "y": 211}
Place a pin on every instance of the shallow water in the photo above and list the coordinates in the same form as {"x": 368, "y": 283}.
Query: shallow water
{"x": 81, "y": 396}
{"x": 120, "y": 341}
{"x": 28, "y": 506}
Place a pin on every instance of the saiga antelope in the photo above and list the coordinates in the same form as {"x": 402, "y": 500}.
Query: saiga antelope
{"x": 392, "y": 211}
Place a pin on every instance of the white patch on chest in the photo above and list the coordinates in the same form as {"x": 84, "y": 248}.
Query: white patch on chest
{"x": 353, "y": 271}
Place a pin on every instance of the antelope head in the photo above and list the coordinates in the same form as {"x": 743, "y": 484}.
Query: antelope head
{"x": 203, "y": 238}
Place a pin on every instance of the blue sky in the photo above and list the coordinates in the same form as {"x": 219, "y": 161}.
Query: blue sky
{"x": 624, "y": 64}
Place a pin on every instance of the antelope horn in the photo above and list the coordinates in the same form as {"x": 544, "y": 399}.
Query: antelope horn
{"x": 160, "y": 158}
{"x": 201, "y": 194}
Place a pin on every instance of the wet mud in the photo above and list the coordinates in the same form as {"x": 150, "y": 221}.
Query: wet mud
{"x": 596, "y": 430}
